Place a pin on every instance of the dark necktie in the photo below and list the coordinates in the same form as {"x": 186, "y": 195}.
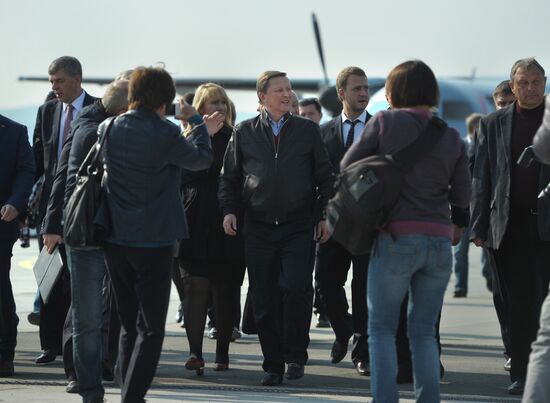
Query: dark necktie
{"x": 349, "y": 140}
{"x": 67, "y": 126}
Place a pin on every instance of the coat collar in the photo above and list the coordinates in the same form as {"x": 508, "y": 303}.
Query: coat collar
{"x": 506, "y": 126}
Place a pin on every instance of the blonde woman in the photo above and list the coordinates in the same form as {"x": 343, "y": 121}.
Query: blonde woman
{"x": 211, "y": 262}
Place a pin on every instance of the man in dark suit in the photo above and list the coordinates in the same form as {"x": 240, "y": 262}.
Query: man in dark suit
{"x": 333, "y": 260}
{"x": 16, "y": 180}
{"x": 53, "y": 123}
{"x": 506, "y": 218}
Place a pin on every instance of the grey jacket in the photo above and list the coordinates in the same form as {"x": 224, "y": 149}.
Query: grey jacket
{"x": 491, "y": 180}
{"x": 144, "y": 156}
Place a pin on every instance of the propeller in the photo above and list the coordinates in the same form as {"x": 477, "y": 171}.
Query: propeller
{"x": 328, "y": 96}
{"x": 319, "y": 46}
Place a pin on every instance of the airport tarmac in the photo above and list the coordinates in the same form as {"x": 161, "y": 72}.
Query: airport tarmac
{"x": 472, "y": 355}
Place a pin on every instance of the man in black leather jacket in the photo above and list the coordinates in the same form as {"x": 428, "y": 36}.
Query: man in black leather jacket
{"x": 275, "y": 165}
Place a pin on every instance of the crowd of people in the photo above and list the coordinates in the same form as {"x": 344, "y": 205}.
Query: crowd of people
{"x": 206, "y": 200}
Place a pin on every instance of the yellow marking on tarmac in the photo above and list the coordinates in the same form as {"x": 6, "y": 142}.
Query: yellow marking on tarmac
{"x": 27, "y": 263}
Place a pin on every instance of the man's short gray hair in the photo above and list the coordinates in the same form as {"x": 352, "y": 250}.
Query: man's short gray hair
{"x": 526, "y": 64}
{"x": 68, "y": 64}
{"x": 115, "y": 98}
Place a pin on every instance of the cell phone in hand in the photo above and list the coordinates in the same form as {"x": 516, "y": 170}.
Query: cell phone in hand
{"x": 173, "y": 110}
{"x": 526, "y": 158}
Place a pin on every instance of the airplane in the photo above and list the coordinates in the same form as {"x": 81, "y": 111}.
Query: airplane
{"x": 459, "y": 96}
{"x": 323, "y": 87}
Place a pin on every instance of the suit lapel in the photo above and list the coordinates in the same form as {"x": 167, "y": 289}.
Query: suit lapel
{"x": 337, "y": 134}
{"x": 57, "y": 113}
{"x": 506, "y": 133}
{"x": 88, "y": 99}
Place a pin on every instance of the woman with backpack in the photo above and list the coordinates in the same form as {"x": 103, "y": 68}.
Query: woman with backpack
{"x": 412, "y": 253}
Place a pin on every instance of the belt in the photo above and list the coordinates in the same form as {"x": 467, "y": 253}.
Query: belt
{"x": 277, "y": 218}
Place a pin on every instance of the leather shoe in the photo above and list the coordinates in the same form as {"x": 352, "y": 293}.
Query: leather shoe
{"x": 46, "y": 357}
{"x": 508, "y": 365}
{"x": 34, "y": 318}
{"x": 221, "y": 366}
{"x": 517, "y": 387}
{"x": 339, "y": 351}
{"x": 95, "y": 400}
{"x": 272, "y": 379}
{"x": 459, "y": 294}
{"x": 294, "y": 371}
{"x": 107, "y": 373}
{"x": 72, "y": 387}
{"x": 179, "y": 314}
{"x": 6, "y": 369}
{"x": 322, "y": 321}
{"x": 362, "y": 367}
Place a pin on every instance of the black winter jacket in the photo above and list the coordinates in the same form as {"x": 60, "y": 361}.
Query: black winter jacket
{"x": 207, "y": 239}
{"x": 275, "y": 182}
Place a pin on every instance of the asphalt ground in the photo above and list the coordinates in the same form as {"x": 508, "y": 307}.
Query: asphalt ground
{"x": 472, "y": 355}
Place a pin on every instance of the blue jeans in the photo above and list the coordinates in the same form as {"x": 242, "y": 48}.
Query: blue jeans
{"x": 88, "y": 269}
{"x": 422, "y": 266}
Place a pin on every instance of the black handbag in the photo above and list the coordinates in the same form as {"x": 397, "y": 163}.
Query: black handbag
{"x": 367, "y": 190}
{"x": 79, "y": 229}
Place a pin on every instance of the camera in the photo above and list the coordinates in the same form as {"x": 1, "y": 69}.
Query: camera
{"x": 173, "y": 110}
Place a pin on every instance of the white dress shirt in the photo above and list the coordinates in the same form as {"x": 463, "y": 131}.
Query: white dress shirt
{"x": 361, "y": 120}
{"x": 77, "y": 104}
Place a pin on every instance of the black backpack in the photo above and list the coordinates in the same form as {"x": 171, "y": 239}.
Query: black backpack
{"x": 367, "y": 190}
{"x": 86, "y": 201}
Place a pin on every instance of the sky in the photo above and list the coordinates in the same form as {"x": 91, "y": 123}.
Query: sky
{"x": 242, "y": 38}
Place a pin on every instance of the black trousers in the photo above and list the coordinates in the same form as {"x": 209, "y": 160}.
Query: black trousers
{"x": 141, "y": 279}
{"x": 319, "y": 307}
{"x": 8, "y": 316}
{"x": 332, "y": 265}
{"x": 279, "y": 272}
{"x": 500, "y": 303}
{"x": 522, "y": 267}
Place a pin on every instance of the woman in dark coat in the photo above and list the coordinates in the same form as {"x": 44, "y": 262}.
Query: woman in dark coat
{"x": 211, "y": 261}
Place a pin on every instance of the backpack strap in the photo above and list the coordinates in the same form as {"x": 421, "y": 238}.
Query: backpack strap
{"x": 91, "y": 162}
{"x": 412, "y": 153}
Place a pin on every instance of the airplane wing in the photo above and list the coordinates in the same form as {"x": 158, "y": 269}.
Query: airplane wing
{"x": 188, "y": 84}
